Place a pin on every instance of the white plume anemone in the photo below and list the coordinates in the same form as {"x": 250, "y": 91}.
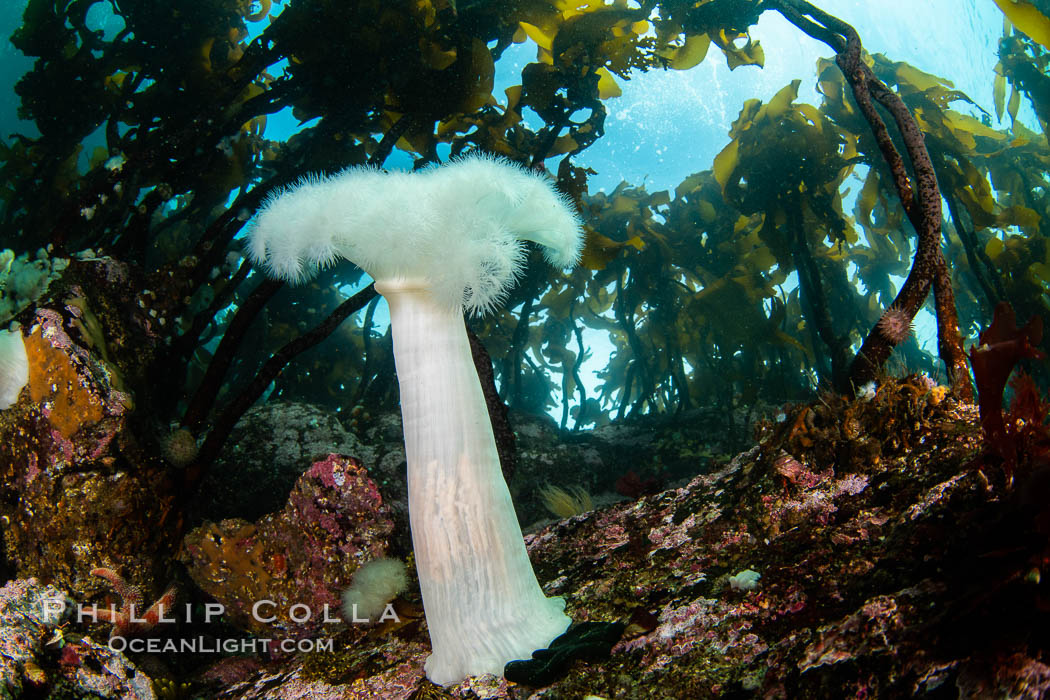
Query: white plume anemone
{"x": 438, "y": 243}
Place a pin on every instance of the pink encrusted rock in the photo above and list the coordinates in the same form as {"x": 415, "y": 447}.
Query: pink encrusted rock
{"x": 28, "y": 614}
{"x": 106, "y": 673}
{"x": 306, "y": 553}
{"x": 293, "y": 684}
{"x": 30, "y": 639}
{"x": 231, "y": 671}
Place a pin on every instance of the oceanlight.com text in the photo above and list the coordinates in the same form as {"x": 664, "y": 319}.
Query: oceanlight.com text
{"x": 205, "y": 645}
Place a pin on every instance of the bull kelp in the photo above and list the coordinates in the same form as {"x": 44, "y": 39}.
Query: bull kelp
{"x": 734, "y": 455}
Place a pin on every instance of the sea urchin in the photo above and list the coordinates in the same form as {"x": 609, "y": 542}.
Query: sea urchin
{"x": 895, "y": 325}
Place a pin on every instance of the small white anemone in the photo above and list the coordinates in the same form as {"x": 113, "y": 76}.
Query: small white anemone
{"x": 746, "y": 580}
{"x": 14, "y": 367}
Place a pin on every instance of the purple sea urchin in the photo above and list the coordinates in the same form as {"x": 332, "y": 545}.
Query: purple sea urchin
{"x": 895, "y": 325}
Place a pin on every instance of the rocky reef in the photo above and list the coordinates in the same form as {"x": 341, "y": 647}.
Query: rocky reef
{"x": 304, "y": 554}
{"x": 860, "y": 546}
{"x": 84, "y": 486}
{"x": 874, "y": 537}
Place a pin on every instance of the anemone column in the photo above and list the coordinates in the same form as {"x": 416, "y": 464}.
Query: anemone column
{"x": 483, "y": 604}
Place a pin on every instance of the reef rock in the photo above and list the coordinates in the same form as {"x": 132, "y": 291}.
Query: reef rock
{"x": 856, "y": 550}
{"x": 36, "y": 656}
{"x": 268, "y": 450}
{"x": 305, "y": 554}
{"x": 79, "y": 490}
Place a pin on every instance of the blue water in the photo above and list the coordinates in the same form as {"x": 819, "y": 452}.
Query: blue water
{"x": 669, "y": 124}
